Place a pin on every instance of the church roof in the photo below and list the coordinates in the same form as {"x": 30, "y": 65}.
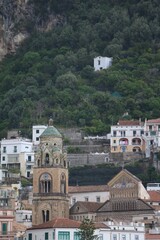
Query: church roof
{"x": 89, "y": 188}
{"x": 51, "y": 131}
{"x": 83, "y": 207}
{"x": 123, "y": 172}
{"x": 140, "y": 205}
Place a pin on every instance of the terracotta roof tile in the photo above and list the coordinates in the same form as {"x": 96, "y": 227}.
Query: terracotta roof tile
{"x": 153, "y": 120}
{"x": 92, "y": 188}
{"x": 154, "y": 196}
{"x": 26, "y": 205}
{"x": 100, "y": 225}
{"x": 89, "y": 206}
{"x": 65, "y": 223}
{"x": 58, "y": 223}
{"x": 152, "y": 236}
{"x": 17, "y": 227}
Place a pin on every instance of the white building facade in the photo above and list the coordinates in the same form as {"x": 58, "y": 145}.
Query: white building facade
{"x": 103, "y": 231}
{"x": 102, "y": 63}
{"x": 99, "y": 193}
{"x": 37, "y": 130}
{"x": 17, "y": 153}
{"x": 126, "y": 136}
{"x": 24, "y": 217}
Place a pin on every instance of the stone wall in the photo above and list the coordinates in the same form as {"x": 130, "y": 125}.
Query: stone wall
{"x": 76, "y": 160}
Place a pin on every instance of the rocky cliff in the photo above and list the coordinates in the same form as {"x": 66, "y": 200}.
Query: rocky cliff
{"x": 17, "y": 20}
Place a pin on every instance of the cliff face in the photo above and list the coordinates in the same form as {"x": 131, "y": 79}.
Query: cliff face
{"x": 17, "y": 21}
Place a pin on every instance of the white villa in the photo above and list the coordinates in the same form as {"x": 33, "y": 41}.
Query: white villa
{"x": 102, "y": 63}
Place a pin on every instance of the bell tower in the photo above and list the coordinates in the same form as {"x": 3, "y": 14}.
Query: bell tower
{"x": 50, "y": 178}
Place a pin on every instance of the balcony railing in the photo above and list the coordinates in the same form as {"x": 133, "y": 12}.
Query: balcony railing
{"x": 7, "y": 235}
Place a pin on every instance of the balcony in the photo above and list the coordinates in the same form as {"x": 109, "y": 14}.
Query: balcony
{"x": 5, "y": 235}
{"x": 123, "y": 141}
{"x": 136, "y": 141}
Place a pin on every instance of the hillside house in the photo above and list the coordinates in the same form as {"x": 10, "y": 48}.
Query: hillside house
{"x": 18, "y": 154}
{"x": 102, "y": 63}
{"x": 126, "y": 136}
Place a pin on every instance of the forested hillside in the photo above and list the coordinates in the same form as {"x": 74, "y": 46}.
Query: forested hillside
{"x": 52, "y": 73}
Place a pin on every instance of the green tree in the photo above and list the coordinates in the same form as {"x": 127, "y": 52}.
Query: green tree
{"x": 87, "y": 229}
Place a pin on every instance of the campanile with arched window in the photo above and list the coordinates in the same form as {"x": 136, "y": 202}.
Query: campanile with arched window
{"x": 50, "y": 178}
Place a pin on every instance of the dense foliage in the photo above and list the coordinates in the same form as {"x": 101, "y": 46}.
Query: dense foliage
{"x": 52, "y": 73}
{"x": 86, "y": 230}
{"x": 102, "y": 174}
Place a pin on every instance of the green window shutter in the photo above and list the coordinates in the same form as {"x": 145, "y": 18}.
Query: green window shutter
{"x": 4, "y": 228}
{"x": 76, "y": 236}
{"x": 63, "y": 235}
{"x": 30, "y": 236}
{"x": 46, "y": 235}
{"x": 53, "y": 235}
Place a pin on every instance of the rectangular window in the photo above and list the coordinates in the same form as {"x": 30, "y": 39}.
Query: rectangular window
{"x": 28, "y": 174}
{"x": 114, "y": 148}
{"x": 4, "y": 228}
{"x": 114, "y": 237}
{"x": 53, "y": 235}
{"x": 37, "y": 138}
{"x": 114, "y": 141}
{"x": 4, "y": 149}
{"x": 99, "y": 62}
{"x": 46, "y": 236}
{"x": 114, "y": 133}
{"x": 37, "y": 131}
{"x": 123, "y": 237}
{"x": 15, "y": 149}
{"x": 3, "y": 158}
{"x": 142, "y": 132}
{"x": 29, "y": 158}
{"x": 63, "y": 235}
{"x": 98, "y": 199}
{"x": 134, "y": 133}
{"x": 30, "y": 236}
{"x": 136, "y": 237}
{"x": 150, "y": 127}
{"x": 76, "y": 236}
{"x": 123, "y": 133}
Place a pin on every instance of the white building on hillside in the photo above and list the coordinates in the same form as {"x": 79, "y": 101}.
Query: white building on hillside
{"x": 37, "y": 130}
{"x": 127, "y": 136}
{"x": 102, "y": 63}
{"x": 17, "y": 153}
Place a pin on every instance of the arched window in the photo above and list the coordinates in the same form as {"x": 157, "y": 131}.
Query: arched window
{"x": 45, "y": 215}
{"x": 45, "y": 183}
{"x": 38, "y": 162}
{"x": 63, "y": 183}
{"x": 47, "y": 159}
